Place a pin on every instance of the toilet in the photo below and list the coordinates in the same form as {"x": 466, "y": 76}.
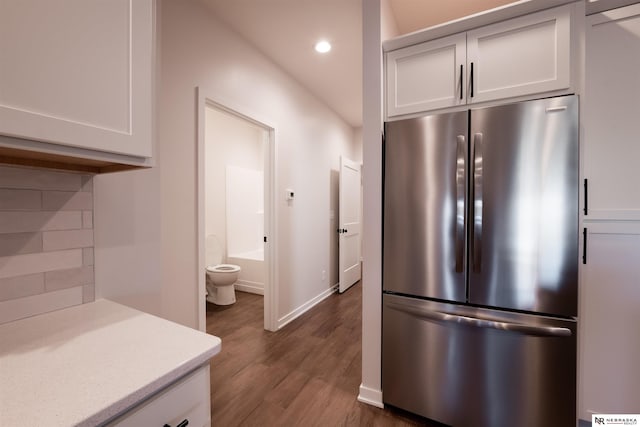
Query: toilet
{"x": 220, "y": 277}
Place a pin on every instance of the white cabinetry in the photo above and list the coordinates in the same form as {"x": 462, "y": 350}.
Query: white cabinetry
{"x": 610, "y": 280}
{"x": 521, "y": 56}
{"x": 612, "y": 102}
{"x": 517, "y": 57}
{"x": 184, "y": 401}
{"x": 609, "y": 319}
{"x": 77, "y": 74}
{"x": 427, "y": 76}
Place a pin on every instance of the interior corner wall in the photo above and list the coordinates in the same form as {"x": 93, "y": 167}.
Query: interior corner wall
{"x": 371, "y": 387}
{"x": 151, "y": 262}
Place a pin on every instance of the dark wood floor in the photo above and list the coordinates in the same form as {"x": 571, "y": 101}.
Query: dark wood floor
{"x": 306, "y": 374}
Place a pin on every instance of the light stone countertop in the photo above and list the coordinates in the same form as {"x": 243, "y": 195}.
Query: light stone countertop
{"x": 83, "y": 365}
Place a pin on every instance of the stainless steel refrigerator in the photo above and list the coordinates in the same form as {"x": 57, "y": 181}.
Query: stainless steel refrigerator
{"x": 480, "y": 265}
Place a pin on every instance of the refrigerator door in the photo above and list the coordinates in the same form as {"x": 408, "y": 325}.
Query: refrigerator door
{"x": 425, "y": 205}
{"x": 524, "y": 239}
{"x": 471, "y": 367}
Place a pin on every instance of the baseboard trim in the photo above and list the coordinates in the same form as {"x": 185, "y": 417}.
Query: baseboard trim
{"x": 370, "y": 396}
{"x": 283, "y": 321}
{"x": 250, "y": 287}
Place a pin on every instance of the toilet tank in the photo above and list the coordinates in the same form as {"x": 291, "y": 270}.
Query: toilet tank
{"x": 213, "y": 250}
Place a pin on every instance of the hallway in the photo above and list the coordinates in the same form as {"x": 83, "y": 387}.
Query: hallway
{"x": 307, "y": 374}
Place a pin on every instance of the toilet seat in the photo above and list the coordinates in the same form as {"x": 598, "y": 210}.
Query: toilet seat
{"x": 223, "y": 268}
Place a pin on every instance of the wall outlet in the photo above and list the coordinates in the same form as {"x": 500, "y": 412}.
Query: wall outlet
{"x": 324, "y": 275}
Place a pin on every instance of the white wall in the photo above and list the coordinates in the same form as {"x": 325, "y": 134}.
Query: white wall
{"x": 229, "y": 141}
{"x": 154, "y": 265}
{"x": 371, "y": 389}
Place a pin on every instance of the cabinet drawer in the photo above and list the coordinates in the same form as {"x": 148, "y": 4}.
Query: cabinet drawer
{"x": 186, "y": 399}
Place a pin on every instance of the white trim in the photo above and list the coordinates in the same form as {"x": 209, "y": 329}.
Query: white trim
{"x": 471, "y": 22}
{"x": 370, "y": 396}
{"x": 250, "y": 287}
{"x": 270, "y": 292}
{"x": 283, "y": 321}
{"x": 612, "y": 214}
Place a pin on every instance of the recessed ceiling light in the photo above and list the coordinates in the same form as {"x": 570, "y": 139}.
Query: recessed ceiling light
{"x": 323, "y": 46}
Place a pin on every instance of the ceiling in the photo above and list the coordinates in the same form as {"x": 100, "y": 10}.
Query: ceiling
{"x": 286, "y": 30}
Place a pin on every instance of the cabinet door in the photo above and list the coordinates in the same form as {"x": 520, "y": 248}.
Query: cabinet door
{"x": 611, "y": 146}
{"x": 186, "y": 400}
{"x": 608, "y": 321}
{"x": 520, "y": 56}
{"x": 427, "y": 76}
{"x": 78, "y": 73}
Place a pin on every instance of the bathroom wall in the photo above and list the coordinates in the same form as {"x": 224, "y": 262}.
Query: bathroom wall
{"x": 229, "y": 142}
{"x": 46, "y": 241}
{"x": 245, "y": 211}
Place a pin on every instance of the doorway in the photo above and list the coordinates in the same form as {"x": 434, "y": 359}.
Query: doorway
{"x": 236, "y": 154}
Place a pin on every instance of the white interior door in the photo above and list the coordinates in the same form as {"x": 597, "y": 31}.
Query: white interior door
{"x": 349, "y": 223}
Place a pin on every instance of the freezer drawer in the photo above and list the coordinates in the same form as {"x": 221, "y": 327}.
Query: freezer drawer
{"x": 470, "y": 367}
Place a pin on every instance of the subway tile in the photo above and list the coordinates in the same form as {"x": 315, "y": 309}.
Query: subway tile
{"x": 39, "y": 179}
{"x": 18, "y": 222}
{"x": 67, "y": 200}
{"x": 87, "y": 256}
{"x": 19, "y": 265}
{"x": 37, "y": 304}
{"x": 88, "y": 293}
{"x": 21, "y": 286}
{"x": 20, "y": 243}
{"x": 62, "y": 279}
{"x": 66, "y": 239}
{"x": 87, "y": 219}
{"x": 11, "y": 199}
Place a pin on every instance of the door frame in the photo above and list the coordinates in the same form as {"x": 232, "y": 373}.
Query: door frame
{"x": 205, "y": 100}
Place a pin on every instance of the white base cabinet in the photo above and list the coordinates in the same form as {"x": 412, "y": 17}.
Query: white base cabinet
{"x": 522, "y": 56}
{"x": 183, "y": 403}
{"x": 609, "y": 319}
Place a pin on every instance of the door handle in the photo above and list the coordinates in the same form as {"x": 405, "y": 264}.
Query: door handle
{"x": 442, "y": 316}
{"x": 342, "y": 230}
{"x": 477, "y": 202}
{"x": 460, "y": 179}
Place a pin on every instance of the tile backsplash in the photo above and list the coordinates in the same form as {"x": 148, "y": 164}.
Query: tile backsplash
{"x": 46, "y": 241}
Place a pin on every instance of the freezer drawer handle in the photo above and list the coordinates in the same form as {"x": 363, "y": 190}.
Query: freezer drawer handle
{"x": 551, "y": 331}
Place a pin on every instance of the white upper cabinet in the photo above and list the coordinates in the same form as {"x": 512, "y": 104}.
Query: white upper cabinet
{"x": 78, "y": 73}
{"x": 514, "y": 58}
{"x": 611, "y": 146}
{"x": 521, "y": 56}
{"x": 426, "y": 76}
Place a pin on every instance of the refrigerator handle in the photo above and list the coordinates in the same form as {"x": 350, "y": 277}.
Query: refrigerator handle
{"x": 477, "y": 202}
{"x": 442, "y": 316}
{"x": 460, "y": 178}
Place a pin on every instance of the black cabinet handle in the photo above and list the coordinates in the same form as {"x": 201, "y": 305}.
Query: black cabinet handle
{"x": 586, "y": 193}
{"x": 461, "y": 84}
{"x": 184, "y": 423}
{"x": 472, "y": 79}
{"x": 584, "y": 246}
